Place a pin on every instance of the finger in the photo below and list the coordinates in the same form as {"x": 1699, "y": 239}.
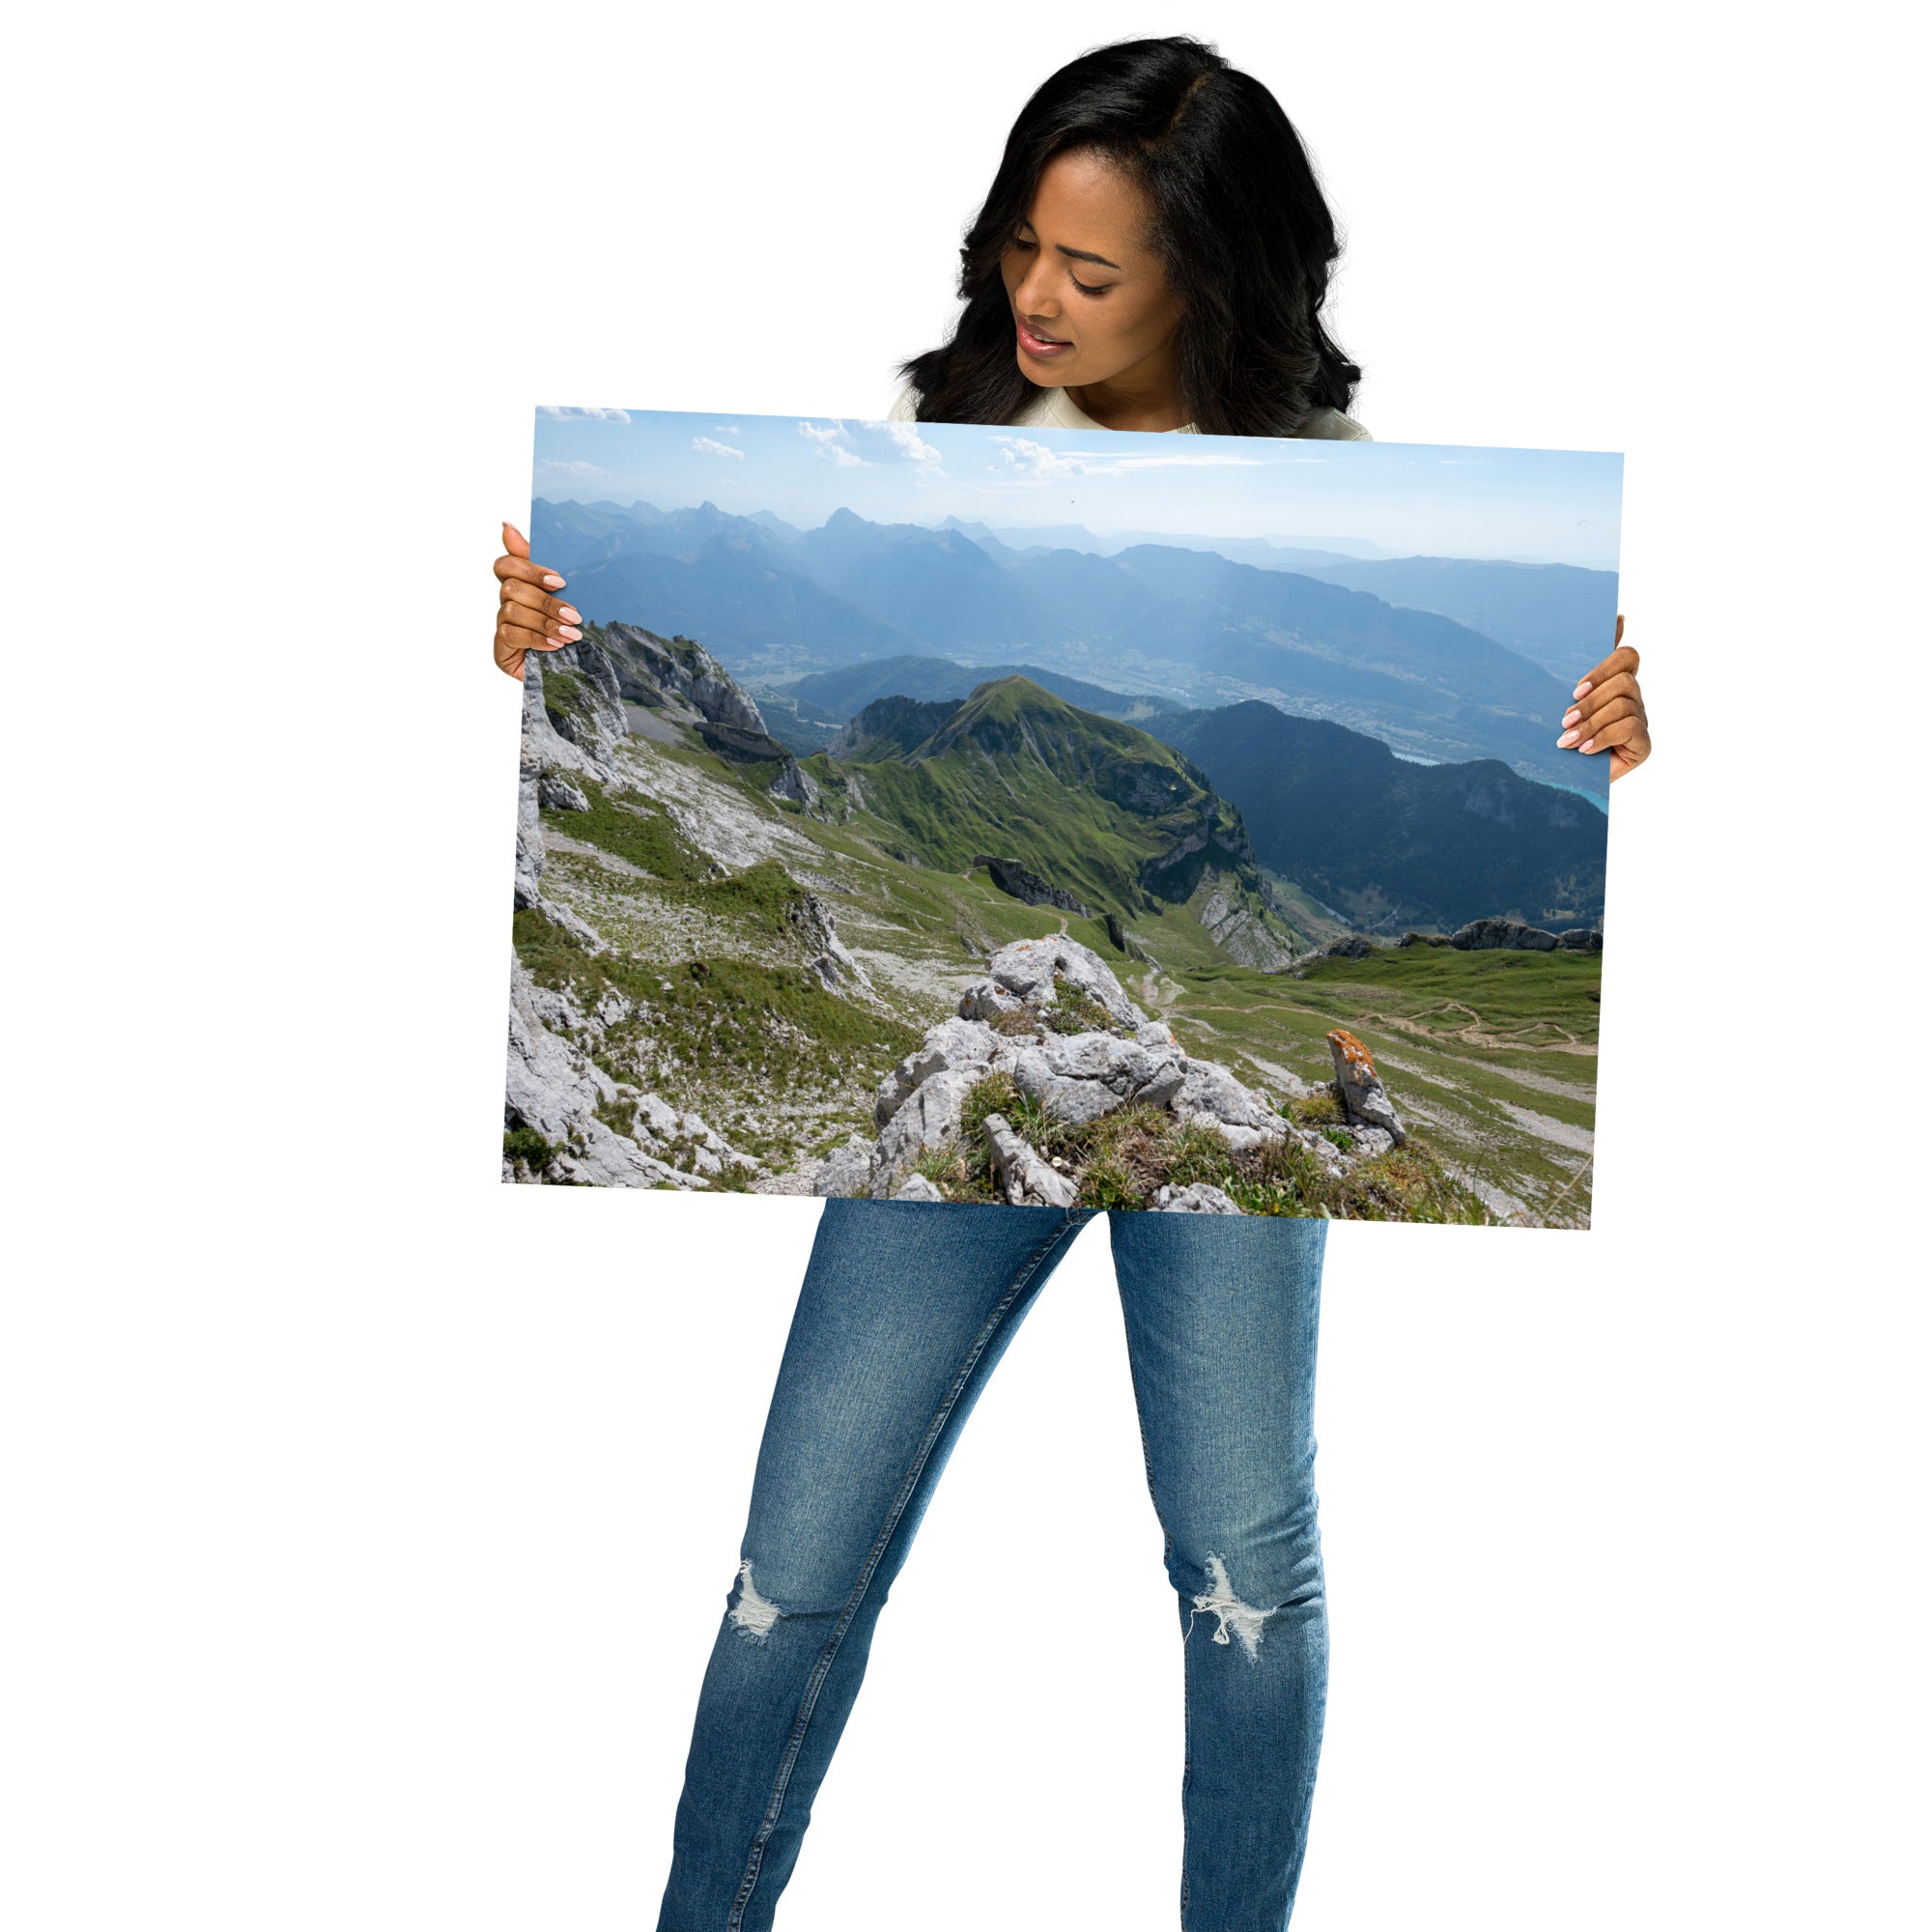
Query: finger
{"x": 508, "y": 652}
{"x": 1626, "y": 758}
{"x": 1619, "y": 638}
{"x": 525, "y": 572}
{"x": 515, "y": 637}
{"x": 1625, "y": 731}
{"x": 527, "y": 628}
{"x": 1622, "y": 685}
{"x": 561, "y": 619}
{"x": 516, "y": 542}
{"x": 1622, "y": 659}
{"x": 1580, "y": 735}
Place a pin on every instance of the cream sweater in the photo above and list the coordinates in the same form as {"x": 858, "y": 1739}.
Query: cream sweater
{"x": 1055, "y": 408}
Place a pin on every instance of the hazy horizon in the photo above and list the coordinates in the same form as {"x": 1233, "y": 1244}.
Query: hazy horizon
{"x": 1393, "y": 499}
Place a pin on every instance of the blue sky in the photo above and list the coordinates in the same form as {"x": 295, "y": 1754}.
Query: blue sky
{"x": 1538, "y": 505}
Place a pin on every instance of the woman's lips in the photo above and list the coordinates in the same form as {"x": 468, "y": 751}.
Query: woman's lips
{"x": 1042, "y": 346}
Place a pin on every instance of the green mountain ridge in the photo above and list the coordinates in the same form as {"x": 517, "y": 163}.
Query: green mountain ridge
{"x": 1095, "y": 807}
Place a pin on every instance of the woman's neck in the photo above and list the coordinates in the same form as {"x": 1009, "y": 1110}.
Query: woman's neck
{"x": 1145, "y": 396}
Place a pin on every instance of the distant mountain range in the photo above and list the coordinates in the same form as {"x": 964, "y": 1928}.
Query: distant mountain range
{"x": 760, "y": 593}
{"x": 1382, "y": 840}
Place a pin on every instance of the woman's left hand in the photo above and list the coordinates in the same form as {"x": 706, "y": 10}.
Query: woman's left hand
{"x": 1608, "y": 713}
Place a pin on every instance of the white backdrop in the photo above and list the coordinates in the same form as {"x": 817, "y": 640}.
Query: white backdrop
{"x": 366, "y": 1522}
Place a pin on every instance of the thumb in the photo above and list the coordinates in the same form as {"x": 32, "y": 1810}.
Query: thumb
{"x": 514, "y": 542}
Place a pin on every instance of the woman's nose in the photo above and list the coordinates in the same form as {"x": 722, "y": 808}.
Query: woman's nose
{"x": 1035, "y": 294}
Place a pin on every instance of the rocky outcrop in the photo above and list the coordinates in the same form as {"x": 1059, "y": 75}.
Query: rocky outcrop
{"x": 1482, "y": 935}
{"x": 543, "y": 754}
{"x": 890, "y": 726}
{"x": 1052, "y": 1018}
{"x": 795, "y": 784}
{"x": 1364, "y": 1099}
{"x": 1423, "y": 939}
{"x": 1033, "y": 971}
{"x": 557, "y": 1103}
{"x": 682, "y": 679}
{"x": 1213, "y": 1096}
{"x": 832, "y": 962}
{"x": 1241, "y": 932}
{"x": 1029, "y": 887}
{"x": 1029, "y": 1180}
{"x": 1199, "y": 1198}
{"x": 1580, "y": 938}
{"x": 1353, "y": 947}
{"x": 556, "y": 793}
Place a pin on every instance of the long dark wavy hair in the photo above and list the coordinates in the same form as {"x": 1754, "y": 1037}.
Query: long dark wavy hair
{"x": 1241, "y": 227}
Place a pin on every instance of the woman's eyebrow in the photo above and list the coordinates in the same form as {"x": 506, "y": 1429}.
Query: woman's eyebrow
{"x": 1088, "y": 255}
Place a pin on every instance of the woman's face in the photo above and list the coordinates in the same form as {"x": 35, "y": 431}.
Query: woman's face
{"x": 1091, "y": 302}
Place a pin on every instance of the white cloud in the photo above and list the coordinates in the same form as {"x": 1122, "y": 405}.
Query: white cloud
{"x": 711, "y": 446}
{"x": 578, "y": 469}
{"x": 556, "y": 415}
{"x": 831, "y": 442}
{"x": 911, "y": 444}
{"x": 726, "y": 429}
{"x": 1035, "y": 461}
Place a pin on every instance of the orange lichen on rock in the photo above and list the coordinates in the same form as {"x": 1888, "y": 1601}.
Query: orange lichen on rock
{"x": 1347, "y": 1047}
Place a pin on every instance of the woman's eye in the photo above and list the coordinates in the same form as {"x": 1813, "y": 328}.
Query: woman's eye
{"x": 1097, "y": 289}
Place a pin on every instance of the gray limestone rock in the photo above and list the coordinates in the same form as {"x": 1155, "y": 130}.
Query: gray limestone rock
{"x": 1482, "y": 935}
{"x": 1199, "y": 1198}
{"x": 555, "y": 793}
{"x": 796, "y": 783}
{"x": 845, "y": 1170}
{"x": 954, "y": 1046}
{"x": 836, "y": 969}
{"x": 1028, "y": 1182}
{"x": 1028, "y": 969}
{"x": 919, "y": 1188}
{"x": 1364, "y": 1099}
{"x": 928, "y": 1118}
{"x": 1212, "y": 1095}
{"x": 1078, "y": 1077}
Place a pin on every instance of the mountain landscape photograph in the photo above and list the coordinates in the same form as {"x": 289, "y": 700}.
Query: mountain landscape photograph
{"x": 935, "y": 812}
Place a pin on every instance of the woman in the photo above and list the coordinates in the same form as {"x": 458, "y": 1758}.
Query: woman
{"x": 1153, "y": 255}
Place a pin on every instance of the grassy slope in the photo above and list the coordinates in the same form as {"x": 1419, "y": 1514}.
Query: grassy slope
{"x": 787, "y": 1071}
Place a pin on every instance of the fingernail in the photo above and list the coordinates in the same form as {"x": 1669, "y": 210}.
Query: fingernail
{"x": 552, "y": 581}
{"x": 569, "y": 615}
{"x": 1580, "y": 689}
{"x": 1568, "y": 738}
{"x": 569, "y": 634}
{"x": 1588, "y": 745}
{"x": 1571, "y": 717}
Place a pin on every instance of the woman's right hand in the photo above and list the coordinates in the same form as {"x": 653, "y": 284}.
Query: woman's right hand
{"x": 528, "y": 618}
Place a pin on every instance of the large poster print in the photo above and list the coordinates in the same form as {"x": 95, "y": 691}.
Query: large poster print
{"x": 961, "y": 814}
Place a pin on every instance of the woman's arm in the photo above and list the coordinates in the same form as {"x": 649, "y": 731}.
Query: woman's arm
{"x": 1609, "y": 714}
{"x": 527, "y": 618}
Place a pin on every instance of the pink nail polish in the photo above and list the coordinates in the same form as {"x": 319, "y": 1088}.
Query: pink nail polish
{"x": 1568, "y": 738}
{"x": 1581, "y": 689}
{"x": 569, "y": 615}
{"x": 552, "y": 581}
{"x": 1571, "y": 717}
{"x": 1588, "y": 745}
{"x": 569, "y": 634}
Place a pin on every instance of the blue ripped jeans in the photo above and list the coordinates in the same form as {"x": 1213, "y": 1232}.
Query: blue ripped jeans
{"x": 905, "y": 1310}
